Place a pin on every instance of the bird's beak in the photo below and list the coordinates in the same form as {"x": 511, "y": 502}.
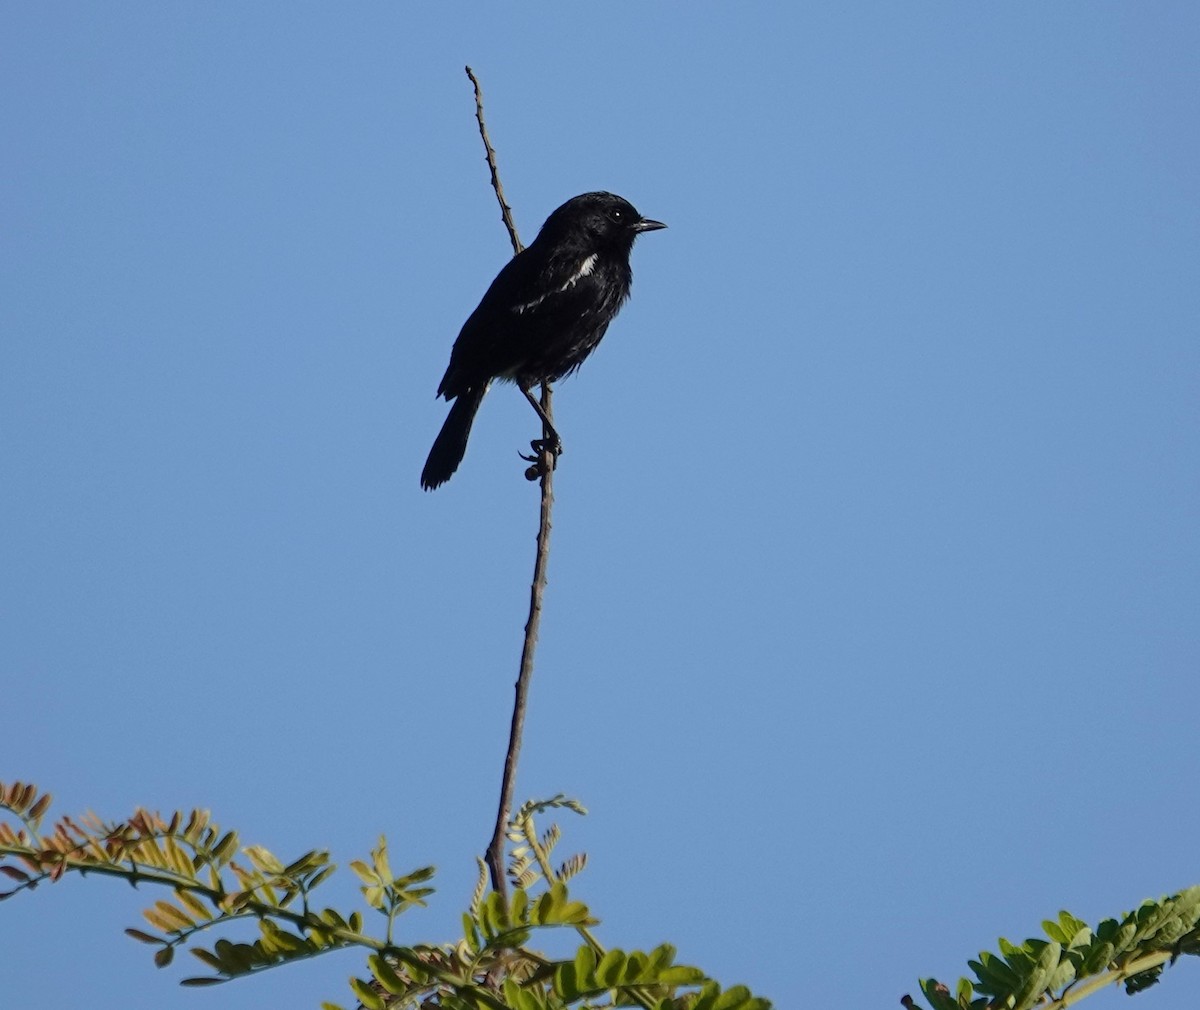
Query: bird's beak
{"x": 645, "y": 224}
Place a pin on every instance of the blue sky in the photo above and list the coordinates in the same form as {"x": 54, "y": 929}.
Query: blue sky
{"x": 871, "y": 632}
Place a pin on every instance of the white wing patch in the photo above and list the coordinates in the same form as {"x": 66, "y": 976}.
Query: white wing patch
{"x": 585, "y": 270}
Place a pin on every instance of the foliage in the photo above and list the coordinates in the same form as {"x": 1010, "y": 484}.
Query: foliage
{"x": 1077, "y": 960}
{"x": 490, "y": 968}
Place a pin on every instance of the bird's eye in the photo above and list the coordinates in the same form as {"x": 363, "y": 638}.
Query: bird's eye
{"x": 617, "y": 215}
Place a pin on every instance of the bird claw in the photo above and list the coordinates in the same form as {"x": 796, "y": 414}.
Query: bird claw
{"x": 541, "y": 448}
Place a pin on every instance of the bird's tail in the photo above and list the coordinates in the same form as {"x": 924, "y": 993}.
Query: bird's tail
{"x": 451, "y": 444}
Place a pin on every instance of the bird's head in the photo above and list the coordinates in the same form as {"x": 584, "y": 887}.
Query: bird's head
{"x": 602, "y": 220}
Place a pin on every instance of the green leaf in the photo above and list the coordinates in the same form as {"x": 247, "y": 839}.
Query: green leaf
{"x": 333, "y": 917}
{"x": 495, "y": 912}
{"x": 558, "y": 894}
{"x": 418, "y": 876}
{"x": 707, "y": 996}
{"x": 366, "y": 994}
{"x": 732, "y": 998}
{"x": 486, "y": 919}
{"x": 937, "y": 994}
{"x": 608, "y": 971}
{"x": 568, "y": 982}
{"x": 1055, "y": 931}
{"x": 1151, "y": 916}
{"x": 263, "y": 860}
{"x": 379, "y": 859}
{"x": 1187, "y": 903}
{"x": 235, "y": 957}
{"x": 585, "y": 963}
{"x": 180, "y": 862}
{"x": 1064, "y": 928}
{"x": 575, "y": 913}
{"x": 1081, "y": 939}
{"x": 679, "y": 974}
{"x": 164, "y": 956}
{"x": 320, "y": 877}
{"x": 1097, "y": 958}
{"x": 300, "y": 865}
{"x": 661, "y": 956}
{"x": 1018, "y": 958}
{"x": 417, "y": 968}
{"x": 520, "y": 998}
{"x": 471, "y": 933}
{"x": 519, "y": 907}
{"x": 1124, "y": 938}
{"x": 516, "y": 937}
{"x": 635, "y": 968}
{"x": 194, "y": 905}
{"x": 282, "y": 942}
{"x": 207, "y": 957}
{"x": 174, "y": 915}
{"x": 543, "y": 908}
{"x": 1063, "y": 975}
{"x": 1070, "y": 924}
{"x": 386, "y": 974}
{"x": 365, "y": 873}
{"x": 1039, "y": 977}
{"x": 996, "y": 978}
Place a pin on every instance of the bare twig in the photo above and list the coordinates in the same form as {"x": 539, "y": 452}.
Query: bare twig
{"x": 544, "y": 468}
{"x": 495, "y": 852}
{"x": 505, "y": 210}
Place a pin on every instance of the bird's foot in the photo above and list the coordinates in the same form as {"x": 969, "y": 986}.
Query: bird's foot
{"x": 543, "y": 448}
{"x": 552, "y": 445}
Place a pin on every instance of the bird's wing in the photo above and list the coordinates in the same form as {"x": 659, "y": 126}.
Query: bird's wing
{"x": 531, "y": 297}
{"x": 561, "y": 280}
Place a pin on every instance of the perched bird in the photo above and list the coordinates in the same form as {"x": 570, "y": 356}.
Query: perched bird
{"x": 543, "y": 314}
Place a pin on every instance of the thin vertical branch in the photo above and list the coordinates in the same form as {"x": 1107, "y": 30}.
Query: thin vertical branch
{"x": 495, "y": 851}
{"x": 544, "y": 468}
{"x": 505, "y": 209}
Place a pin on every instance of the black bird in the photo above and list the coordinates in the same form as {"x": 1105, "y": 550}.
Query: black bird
{"x": 544, "y": 313}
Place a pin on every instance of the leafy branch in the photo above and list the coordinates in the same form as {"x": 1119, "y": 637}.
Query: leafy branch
{"x": 1076, "y": 960}
{"x": 491, "y": 967}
